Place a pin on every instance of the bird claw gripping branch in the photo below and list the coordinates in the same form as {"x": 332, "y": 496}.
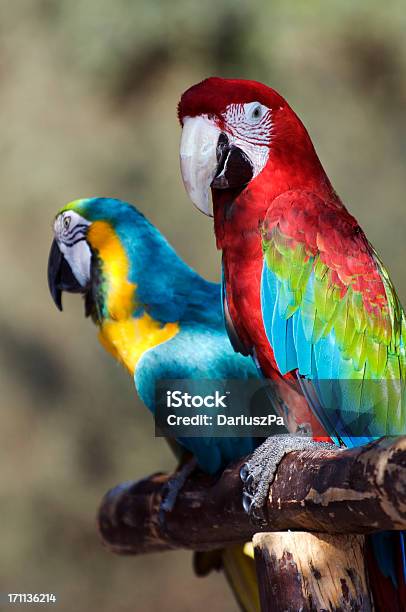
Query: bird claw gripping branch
{"x": 259, "y": 472}
{"x": 174, "y": 486}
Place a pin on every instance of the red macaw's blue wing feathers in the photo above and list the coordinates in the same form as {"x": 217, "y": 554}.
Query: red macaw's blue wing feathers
{"x": 332, "y": 315}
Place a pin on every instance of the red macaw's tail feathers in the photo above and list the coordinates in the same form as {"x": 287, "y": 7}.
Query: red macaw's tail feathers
{"x": 389, "y": 591}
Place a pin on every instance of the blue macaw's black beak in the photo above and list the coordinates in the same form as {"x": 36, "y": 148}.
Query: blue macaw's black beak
{"x": 60, "y": 276}
{"x": 235, "y": 169}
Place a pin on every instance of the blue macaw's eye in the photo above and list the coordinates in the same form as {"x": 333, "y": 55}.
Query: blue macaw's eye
{"x": 66, "y": 222}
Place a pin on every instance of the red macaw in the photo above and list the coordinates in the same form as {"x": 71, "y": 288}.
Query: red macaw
{"x": 304, "y": 291}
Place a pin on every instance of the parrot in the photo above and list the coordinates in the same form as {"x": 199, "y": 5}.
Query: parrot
{"x": 160, "y": 320}
{"x": 304, "y": 292}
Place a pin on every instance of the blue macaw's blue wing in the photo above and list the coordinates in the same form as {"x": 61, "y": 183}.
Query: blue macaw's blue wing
{"x": 197, "y": 353}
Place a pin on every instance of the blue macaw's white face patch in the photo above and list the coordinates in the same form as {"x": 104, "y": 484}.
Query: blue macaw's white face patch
{"x": 70, "y": 231}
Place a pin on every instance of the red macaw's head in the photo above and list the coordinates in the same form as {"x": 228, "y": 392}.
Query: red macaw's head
{"x": 235, "y": 132}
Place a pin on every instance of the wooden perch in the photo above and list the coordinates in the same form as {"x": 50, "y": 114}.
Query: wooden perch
{"x": 362, "y": 490}
{"x": 309, "y": 572}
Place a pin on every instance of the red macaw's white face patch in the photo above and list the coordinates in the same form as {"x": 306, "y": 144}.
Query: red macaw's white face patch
{"x": 70, "y": 231}
{"x": 249, "y": 127}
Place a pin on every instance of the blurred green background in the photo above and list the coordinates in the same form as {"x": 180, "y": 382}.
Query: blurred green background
{"x": 88, "y": 94}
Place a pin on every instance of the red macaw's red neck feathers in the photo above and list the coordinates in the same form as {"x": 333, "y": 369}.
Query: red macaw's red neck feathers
{"x": 212, "y": 96}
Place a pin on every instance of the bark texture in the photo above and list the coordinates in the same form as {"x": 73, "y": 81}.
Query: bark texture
{"x": 311, "y": 572}
{"x": 361, "y": 491}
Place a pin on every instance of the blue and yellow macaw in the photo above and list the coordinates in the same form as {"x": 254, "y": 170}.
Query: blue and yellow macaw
{"x": 157, "y": 317}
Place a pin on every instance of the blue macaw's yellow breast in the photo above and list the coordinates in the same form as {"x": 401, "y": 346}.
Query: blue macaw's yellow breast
{"x": 124, "y": 335}
{"x": 127, "y": 340}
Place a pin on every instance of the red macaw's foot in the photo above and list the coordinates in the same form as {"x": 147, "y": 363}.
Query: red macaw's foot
{"x": 258, "y": 473}
{"x": 175, "y": 484}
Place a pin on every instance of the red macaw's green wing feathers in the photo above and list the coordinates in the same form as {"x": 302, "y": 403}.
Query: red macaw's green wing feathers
{"x": 330, "y": 312}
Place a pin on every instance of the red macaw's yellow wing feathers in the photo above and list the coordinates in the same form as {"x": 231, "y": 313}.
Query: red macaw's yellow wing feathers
{"x": 331, "y": 312}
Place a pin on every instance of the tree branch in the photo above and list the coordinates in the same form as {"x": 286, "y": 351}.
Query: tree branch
{"x": 362, "y": 490}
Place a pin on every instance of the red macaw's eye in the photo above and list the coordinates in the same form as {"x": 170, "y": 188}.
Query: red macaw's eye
{"x": 254, "y": 112}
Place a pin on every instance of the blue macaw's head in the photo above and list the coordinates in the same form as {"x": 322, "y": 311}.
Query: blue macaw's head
{"x": 89, "y": 256}
{"x": 108, "y": 251}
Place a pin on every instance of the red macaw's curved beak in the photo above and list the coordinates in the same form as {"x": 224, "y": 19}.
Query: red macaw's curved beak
{"x": 198, "y": 159}
{"x": 209, "y": 159}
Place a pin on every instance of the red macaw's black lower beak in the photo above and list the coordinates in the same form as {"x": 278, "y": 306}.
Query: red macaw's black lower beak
{"x": 60, "y": 276}
{"x": 235, "y": 169}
